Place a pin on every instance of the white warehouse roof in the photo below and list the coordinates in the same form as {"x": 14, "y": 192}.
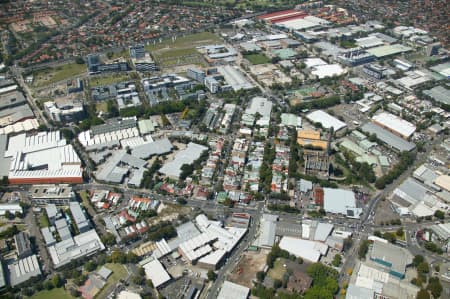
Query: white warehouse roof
{"x": 326, "y": 120}
{"x": 155, "y": 271}
{"x": 187, "y": 156}
{"x": 340, "y": 201}
{"x": 232, "y": 290}
{"x": 309, "y": 250}
{"x": 395, "y": 124}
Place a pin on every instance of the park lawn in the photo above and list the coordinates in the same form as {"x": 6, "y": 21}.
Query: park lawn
{"x": 43, "y": 221}
{"x": 278, "y": 270}
{"x": 53, "y": 75}
{"x": 106, "y": 80}
{"x": 59, "y": 293}
{"x": 401, "y": 238}
{"x": 119, "y": 272}
{"x": 102, "y": 106}
{"x": 257, "y": 58}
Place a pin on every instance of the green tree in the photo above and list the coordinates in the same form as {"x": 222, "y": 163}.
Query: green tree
{"x": 423, "y": 294}
{"x": 399, "y": 232}
{"x": 108, "y": 239}
{"x": 57, "y": 281}
{"x": 417, "y": 260}
{"x": 48, "y": 285}
{"x": 277, "y": 284}
{"x": 439, "y": 214}
{"x": 363, "y": 249}
{"x": 423, "y": 267}
{"x": 260, "y": 275}
{"x": 211, "y": 275}
{"x": 90, "y": 266}
{"x": 337, "y": 260}
{"x": 435, "y": 287}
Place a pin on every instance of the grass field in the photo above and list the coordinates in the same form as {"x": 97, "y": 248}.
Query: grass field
{"x": 106, "y": 80}
{"x": 257, "y": 58}
{"x": 102, "y": 106}
{"x": 277, "y": 271}
{"x": 119, "y": 272}
{"x": 43, "y": 221}
{"x": 182, "y": 50}
{"x": 59, "y": 293}
{"x": 52, "y": 75}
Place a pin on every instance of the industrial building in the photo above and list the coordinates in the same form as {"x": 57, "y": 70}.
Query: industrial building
{"x": 155, "y": 271}
{"x": 42, "y": 158}
{"x": 14, "y": 108}
{"x": 439, "y": 94}
{"x": 291, "y": 120}
{"x": 51, "y": 194}
{"x": 84, "y": 244}
{"x": 340, "y": 201}
{"x": 326, "y": 120}
{"x": 391, "y": 140}
{"x": 307, "y": 137}
{"x": 23, "y": 245}
{"x": 306, "y": 249}
{"x": 209, "y": 248}
{"x": 11, "y": 208}
{"x": 234, "y": 78}
{"x": 192, "y": 152}
{"x": 394, "y": 124}
{"x": 391, "y": 257}
{"x": 232, "y": 290}
{"x": 261, "y": 106}
{"x": 267, "y": 231}
{"x": 24, "y": 269}
{"x": 388, "y": 50}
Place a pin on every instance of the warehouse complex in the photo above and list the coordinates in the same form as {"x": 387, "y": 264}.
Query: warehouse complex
{"x": 44, "y": 157}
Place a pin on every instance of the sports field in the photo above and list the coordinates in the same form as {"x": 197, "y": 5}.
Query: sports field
{"x": 182, "y": 50}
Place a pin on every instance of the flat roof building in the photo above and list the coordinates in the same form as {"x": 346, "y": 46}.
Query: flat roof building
{"x": 392, "y": 257}
{"x": 340, "y": 201}
{"x": 51, "y": 194}
{"x": 232, "y": 290}
{"x": 394, "y": 124}
{"x": 192, "y": 152}
{"x": 326, "y": 120}
{"x": 82, "y": 245}
{"x": 155, "y": 271}
{"x": 42, "y": 158}
{"x": 234, "y": 78}
{"x": 79, "y": 216}
{"x": 393, "y": 141}
{"x": 306, "y": 249}
{"x": 23, "y": 245}
{"x": 23, "y": 269}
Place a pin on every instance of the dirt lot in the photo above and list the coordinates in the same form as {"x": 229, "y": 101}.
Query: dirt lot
{"x": 384, "y": 212}
{"x": 250, "y": 263}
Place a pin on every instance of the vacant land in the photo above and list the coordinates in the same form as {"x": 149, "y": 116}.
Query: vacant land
{"x": 182, "y": 50}
{"x": 53, "y": 75}
{"x": 257, "y": 58}
{"x": 106, "y": 80}
{"x": 278, "y": 270}
{"x": 245, "y": 271}
{"x": 59, "y": 293}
